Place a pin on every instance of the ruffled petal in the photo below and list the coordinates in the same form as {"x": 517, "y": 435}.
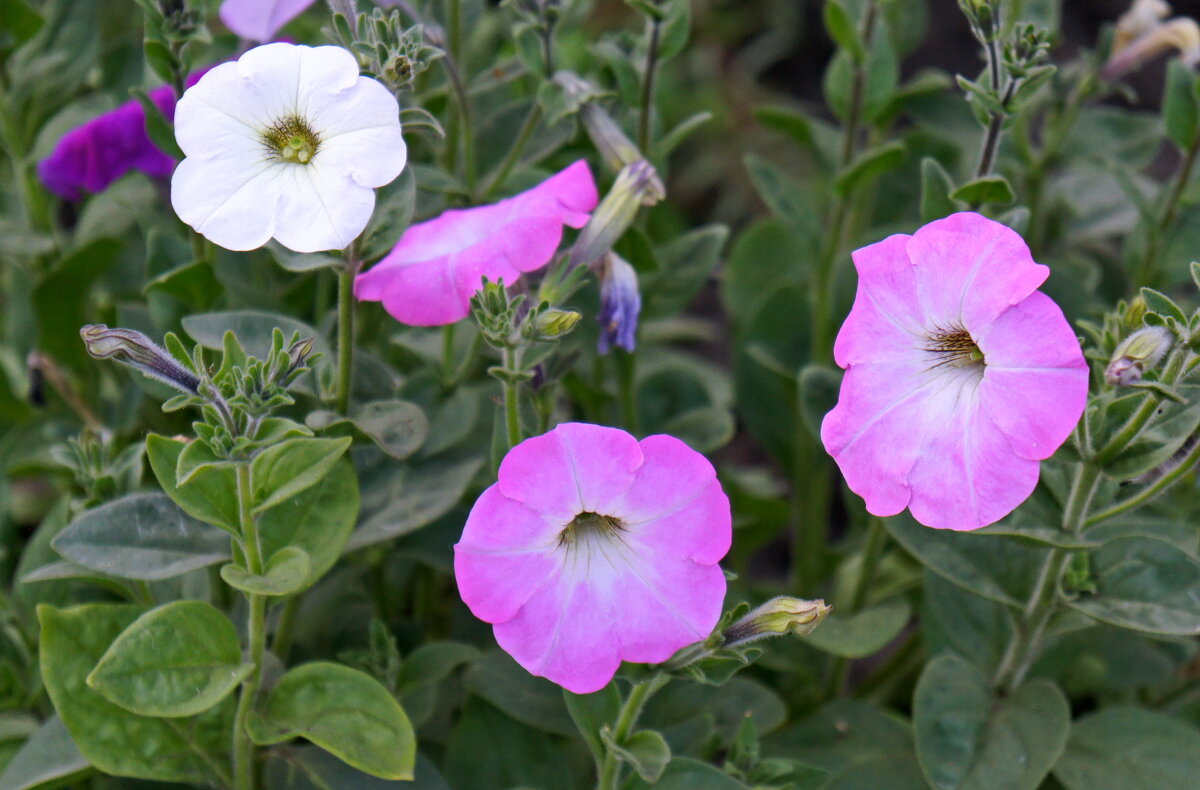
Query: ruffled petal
{"x": 969, "y": 269}
{"x": 322, "y": 207}
{"x": 573, "y": 469}
{"x": 231, "y": 200}
{"x": 499, "y": 524}
{"x": 699, "y": 527}
{"x": 885, "y": 313}
{"x": 439, "y": 301}
{"x": 671, "y": 475}
{"x": 268, "y": 87}
{"x": 966, "y": 475}
{"x": 1035, "y": 384}
{"x": 351, "y": 103}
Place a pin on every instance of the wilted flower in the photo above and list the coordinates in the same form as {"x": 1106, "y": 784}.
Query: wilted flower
{"x": 593, "y": 548}
{"x": 1137, "y": 354}
{"x": 431, "y": 274}
{"x": 287, "y": 142}
{"x": 134, "y": 349}
{"x": 91, "y": 157}
{"x": 620, "y": 304}
{"x": 1142, "y": 35}
{"x": 637, "y": 185}
{"x": 960, "y": 375}
{"x": 778, "y": 616}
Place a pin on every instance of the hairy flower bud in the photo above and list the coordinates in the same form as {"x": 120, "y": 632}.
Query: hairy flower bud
{"x": 637, "y": 185}
{"x": 778, "y": 616}
{"x": 1136, "y": 355}
{"x": 552, "y": 324}
{"x": 133, "y": 348}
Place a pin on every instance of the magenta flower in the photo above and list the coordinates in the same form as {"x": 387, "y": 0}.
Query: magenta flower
{"x": 260, "y": 20}
{"x": 428, "y": 279}
{"x": 91, "y": 157}
{"x": 594, "y": 548}
{"x": 960, "y": 375}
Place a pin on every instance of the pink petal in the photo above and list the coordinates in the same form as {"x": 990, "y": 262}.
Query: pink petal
{"x": 498, "y": 524}
{"x": 966, "y": 475}
{"x": 699, "y": 528}
{"x": 970, "y": 269}
{"x": 260, "y": 20}
{"x": 886, "y": 312}
{"x": 575, "y": 468}
{"x": 671, "y": 475}
{"x": 1035, "y": 384}
{"x": 565, "y": 632}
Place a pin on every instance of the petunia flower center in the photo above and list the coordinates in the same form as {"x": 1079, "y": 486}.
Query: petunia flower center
{"x": 953, "y": 348}
{"x": 292, "y": 140}
{"x": 588, "y": 527}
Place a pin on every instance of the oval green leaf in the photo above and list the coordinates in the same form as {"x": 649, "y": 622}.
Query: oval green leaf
{"x": 286, "y": 573}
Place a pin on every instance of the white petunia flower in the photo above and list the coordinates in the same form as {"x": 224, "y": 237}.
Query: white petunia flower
{"x": 287, "y": 142}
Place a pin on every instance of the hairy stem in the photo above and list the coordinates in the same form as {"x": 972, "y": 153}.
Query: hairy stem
{"x": 512, "y": 396}
{"x": 243, "y": 747}
{"x": 647, "y": 108}
{"x": 610, "y": 771}
{"x": 345, "y": 359}
{"x": 872, "y": 552}
{"x": 1150, "y": 491}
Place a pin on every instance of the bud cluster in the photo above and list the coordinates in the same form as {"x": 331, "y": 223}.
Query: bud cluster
{"x": 385, "y": 48}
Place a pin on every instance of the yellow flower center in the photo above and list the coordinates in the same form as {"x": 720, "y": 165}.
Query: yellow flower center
{"x": 292, "y": 140}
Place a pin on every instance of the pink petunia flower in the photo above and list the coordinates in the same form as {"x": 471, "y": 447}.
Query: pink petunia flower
{"x": 960, "y": 375}
{"x": 428, "y": 279}
{"x": 594, "y": 548}
{"x": 91, "y": 157}
{"x": 260, "y": 20}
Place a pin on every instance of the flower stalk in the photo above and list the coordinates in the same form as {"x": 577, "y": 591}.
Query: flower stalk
{"x": 631, "y": 710}
{"x": 243, "y": 747}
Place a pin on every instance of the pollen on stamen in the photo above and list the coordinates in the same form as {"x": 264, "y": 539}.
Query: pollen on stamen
{"x": 292, "y": 140}
{"x": 953, "y": 347}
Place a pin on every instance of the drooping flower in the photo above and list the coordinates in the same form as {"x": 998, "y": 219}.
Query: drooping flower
{"x": 431, "y": 274}
{"x": 287, "y": 142}
{"x": 620, "y": 304}
{"x": 1144, "y": 32}
{"x": 260, "y": 20}
{"x": 960, "y": 375}
{"x": 593, "y": 548}
{"x": 89, "y": 158}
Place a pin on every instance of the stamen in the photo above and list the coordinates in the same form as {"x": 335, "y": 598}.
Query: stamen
{"x": 586, "y": 526}
{"x": 292, "y": 140}
{"x": 953, "y": 347}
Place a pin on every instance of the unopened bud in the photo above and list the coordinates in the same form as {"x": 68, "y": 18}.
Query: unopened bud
{"x": 1136, "y": 355}
{"x": 555, "y": 323}
{"x": 612, "y": 143}
{"x": 299, "y": 352}
{"x": 620, "y": 304}
{"x": 133, "y": 348}
{"x": 1135, "y": 314}
{"x": 778, "y": 616}
{"x": 638, "y": 185}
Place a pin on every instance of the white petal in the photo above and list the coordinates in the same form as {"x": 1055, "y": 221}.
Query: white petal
{"x": 213, "y": 117}
{"x": 361, "y": 104}
{"x": 372, "y": 157}
{"x": 232, "y": 201}
{"x": 325, "y": 73}
{"x": 321, "y": 209}
{"x": 269, "y": 84}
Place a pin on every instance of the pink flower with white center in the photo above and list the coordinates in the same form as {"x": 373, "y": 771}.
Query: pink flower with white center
{"x": 960, "y": 375}
{"x": 594, "y": 548}
{"x": 428, "y": 279}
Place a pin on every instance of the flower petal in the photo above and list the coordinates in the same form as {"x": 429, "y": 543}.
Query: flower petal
{"x": 966, "y": 475}
{"x": 322, "y": 208}
{"x": 575, "y": 468}
{"x": 885, "y": 307}
{"x": 372, "y": 157}
{"x": 500, "y": 524}
{"x": 347, "y": 102}
{"x": 969, "y": 269}
{"x": 671, "y": 475}
{"x": 260, "y": 20}
{"x": 231, "y": 200}
{"x": 1035, "y": 384}
{"x": 699, "y": 528}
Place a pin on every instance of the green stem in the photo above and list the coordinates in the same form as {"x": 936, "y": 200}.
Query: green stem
{"x": 1137, "y": 421}
{"x": 451, "y": 63}
{"x": 872, "y": 552}
{"x": 532, "y": 119}
{"x": 448, "y": 356}
{"x": 281, "y": 643}
{"x": 243, "y": 747}
{"x": 1150, "y": 491}
{"x": 627, "y": 387}
{"x": 345, "y": 359}
{"x": 1146, "y": 271}
{"x": 1039, "y": 609}
{"x": 809, "y": 510}
{"x": 647, "y": 109}
{"x": 610, "y": 772}
{"x": 512, "y": 396}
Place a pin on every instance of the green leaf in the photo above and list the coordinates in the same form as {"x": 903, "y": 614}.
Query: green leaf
{"x": 936, "y": 187}
{"x": 158, "y": 128}
{"x": 397, "y": 427}
{"x": 287, "y": 572}
{"x": 685, "y": 773}
{"x": 394, "y": 206}
{"x": 862, "y": 634}
{"x": 193, "y": 283}
{"x": 993, "y": 190}
{"x": 687, "y": 263}
{"x": 593, "y": 712}
{"x": 786, "y": 198}
{"x": 862, "y": 747}
{"x": 535, "y": 701}
{"x": 49, "y": 757}
{"x": 210, "y": 496}
{"x": 490, "y": 751}
{"x": 61, "y": 297}
{"x": 283, "y": 470}
{"x": 180, "y": 659}
{"x": 398, "y": 502}
{"x": 646, "y": 751}
{"x": 691, "y": 715}
{"x": 253, "y": 329}
{"x": 869, "y": 165}
{"x": 1125, "y": 748}
{"x": 318, "y": 521}
{"x": 1181, "y": 105}
{"x": 1033, "y": 535}
{"x": 968, "y": 739}
{"x": 1145, "y": 585}
{"x": 676, "y": 28}
{"x": 763, "y": 257}
{"x": 843, "y": 31}
{"x": 817, "y": 393}
{"x": 310, "y": 768}
{"x": 955, "y": 620}
{"x": 111, "y": 738}
{"x": 345, "y": 712}
{"x": 198, "y": 457}
{"x": 1158, "y": 302}
{"x": 21, "y": 21}
{"x": 141, "y": 536}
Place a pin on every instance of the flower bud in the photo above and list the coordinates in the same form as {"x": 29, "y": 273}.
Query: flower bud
{"x": 133, "y": 348}
{"x": 1137, "y": 354}
{"x": 637, "y": 185}
{"x": 612, "y": 143}
{"x": 620, "y": 304}
{"x": 1142, "y": 35}
{"x": 554, "y": 323}
{"x": 778, "y": 616}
